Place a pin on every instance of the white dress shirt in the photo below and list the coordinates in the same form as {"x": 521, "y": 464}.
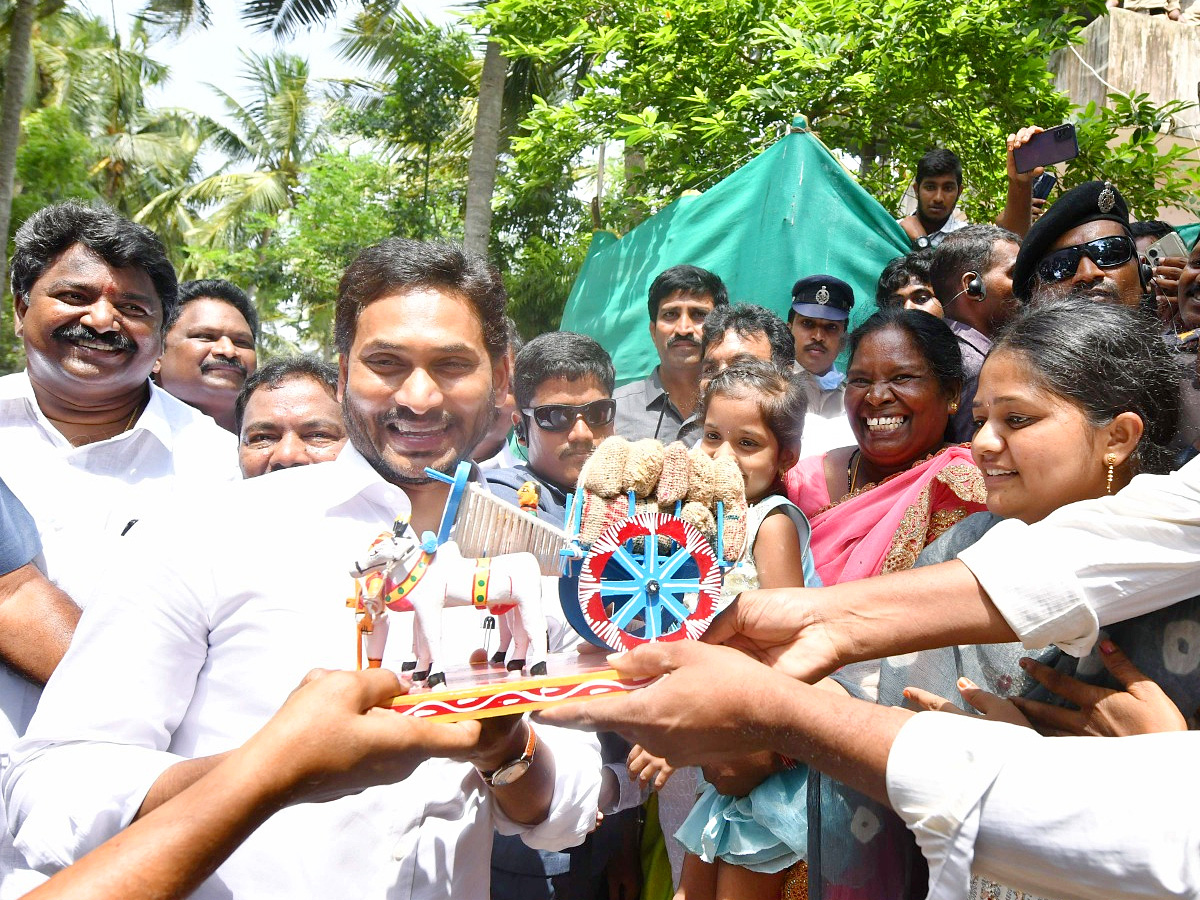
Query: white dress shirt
{"x": 81, "y": 499}
{"x": 1079, "y": 818}
{"x": 101, "y": 487}
{"x": 217, "y": 615}
{"x": 1093, "y": 563}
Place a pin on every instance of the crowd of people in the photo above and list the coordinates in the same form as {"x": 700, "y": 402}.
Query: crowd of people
{"x": 988, "y": 508}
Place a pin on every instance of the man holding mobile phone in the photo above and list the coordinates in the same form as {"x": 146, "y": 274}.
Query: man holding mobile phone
{"x": 1166, "y": 269}
{"x": 938, "y": 188}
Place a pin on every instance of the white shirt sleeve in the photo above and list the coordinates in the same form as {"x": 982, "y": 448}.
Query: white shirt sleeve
{"x": 99, "y": 738}
{"x": 1094, "y": 563}
{"x": 572, "y": 813}
{"x": 1057, "y": 817}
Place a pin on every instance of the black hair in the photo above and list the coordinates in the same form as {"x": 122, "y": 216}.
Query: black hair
{"x": 939, "y": 162}
{"x": 1153, "y": 228}
{"x": 690, "y": 280}
{"x": 932, "y": 337}
{"x": 746, "y": 320}
{"x": 560, "y": 354}
{"x": 899, "y": 272}
{"x": 215, "y": 289}
{"x": 270, "y": 376}
{"x": 1106, "y": 359}
{"x": 780, "y": 396}
{"x": 515, "y": 341}
{"x": 969, "y": 249}
{"x": 401, "y": 264}
{"x": 115, "y": 239}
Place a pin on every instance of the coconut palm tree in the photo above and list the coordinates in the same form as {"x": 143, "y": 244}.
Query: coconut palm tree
{"x": 272, "y": 137}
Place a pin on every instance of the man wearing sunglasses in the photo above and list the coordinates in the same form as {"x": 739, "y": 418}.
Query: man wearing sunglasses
{"x": 1082, "y": 247}
{"x": 563, "y": 384}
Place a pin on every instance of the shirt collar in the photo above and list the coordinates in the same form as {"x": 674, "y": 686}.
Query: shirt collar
{"x": 658, "y": 397}
{"x": 155, "y": 419}
{"x": 969, "y": 334}
{"x": 350, "y": 477}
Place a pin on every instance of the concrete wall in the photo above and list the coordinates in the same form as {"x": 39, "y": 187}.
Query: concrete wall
{"x": 1135, "y": 54}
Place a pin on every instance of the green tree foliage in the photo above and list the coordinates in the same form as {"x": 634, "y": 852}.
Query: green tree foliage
{"x": 415, "y": 109}
{"x": 275, "y": 133}
{"x": 698, "y": 86}
{"x": 344, "y": 203}
{"x": 1120, "y": 142}
{"x": 53, "y": 162}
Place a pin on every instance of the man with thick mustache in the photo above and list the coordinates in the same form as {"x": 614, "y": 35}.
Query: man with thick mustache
{"x": 90, "y": 442}
{"x": 1083, "y": 247}
{"x": 818, "y": 317}
{"x": 90, "y": 445}
{"x": 209, "y": 353}
{"x": 663, "y": 405}
{"x": 187, "y": 658}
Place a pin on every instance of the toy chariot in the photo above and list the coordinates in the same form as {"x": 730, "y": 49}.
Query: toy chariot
{"x": 650, "y": 533}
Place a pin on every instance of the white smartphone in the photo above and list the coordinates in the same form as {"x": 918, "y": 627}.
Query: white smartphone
{"x": 1168, "y": 245}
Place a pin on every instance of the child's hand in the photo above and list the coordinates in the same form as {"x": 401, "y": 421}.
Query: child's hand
{"x": 648, "y": 769}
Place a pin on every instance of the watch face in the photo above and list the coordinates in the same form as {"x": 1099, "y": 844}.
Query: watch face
{"x": 506, "y": 775}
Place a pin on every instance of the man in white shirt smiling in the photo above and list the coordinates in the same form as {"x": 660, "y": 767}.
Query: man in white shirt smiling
{"x": 91, "y": 442}
{"x": 90, "y": 445}
{"x": 209, "y": 628}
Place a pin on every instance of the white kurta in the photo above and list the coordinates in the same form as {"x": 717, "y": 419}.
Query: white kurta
{"x": 1093, "y": 563}
{"x": 1067, "y": 817}
{"x": 218, "y": 614}
{"x": 82, "y": 498}
{"x": 1081, "y": 817}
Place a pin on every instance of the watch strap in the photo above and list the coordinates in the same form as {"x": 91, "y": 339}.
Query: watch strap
{"x": 525, "y": 758}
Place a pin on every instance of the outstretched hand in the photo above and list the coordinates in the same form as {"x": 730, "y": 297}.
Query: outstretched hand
{"x": 712, "y": 704}
{"x": 335, "y": 736}
{"x": 1141, "y": 708}
{"x": 780, "y": 628}
{"x": 652, "y": 771}
{"x": 989, "y": 705}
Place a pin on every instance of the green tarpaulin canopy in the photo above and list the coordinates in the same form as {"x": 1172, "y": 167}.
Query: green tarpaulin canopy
{"x": 790, "y": 212}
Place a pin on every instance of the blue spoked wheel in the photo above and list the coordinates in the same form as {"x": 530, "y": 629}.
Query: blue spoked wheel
{"x": 652, "y": 577}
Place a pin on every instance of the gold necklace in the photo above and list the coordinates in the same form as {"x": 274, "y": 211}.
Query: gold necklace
{"x": 852, "y": 478}
{"x": 91, "y": 439}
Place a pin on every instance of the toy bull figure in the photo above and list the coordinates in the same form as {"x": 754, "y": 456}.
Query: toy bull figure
{"x": 401, "y": 575}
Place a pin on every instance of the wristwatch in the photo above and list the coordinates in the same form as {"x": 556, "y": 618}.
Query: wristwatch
{"x": 922, "y": 243}
{"x": 513, "y": 769}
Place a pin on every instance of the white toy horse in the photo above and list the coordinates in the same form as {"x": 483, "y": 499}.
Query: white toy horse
{"x": 399, "y": 574}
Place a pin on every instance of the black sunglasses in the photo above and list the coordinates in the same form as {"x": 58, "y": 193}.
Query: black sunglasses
{"x": 561, "y": 417}
{"x": 1106, "y": 252}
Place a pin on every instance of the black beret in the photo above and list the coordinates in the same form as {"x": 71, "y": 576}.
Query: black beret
{"x": 1088, "y": 202}
{"x": 822, "y": 297}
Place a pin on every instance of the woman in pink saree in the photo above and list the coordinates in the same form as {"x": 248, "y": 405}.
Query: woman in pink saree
{"x": 875, "y": 506}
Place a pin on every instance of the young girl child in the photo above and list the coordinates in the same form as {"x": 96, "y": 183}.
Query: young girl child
{"x": 754, "y": 414}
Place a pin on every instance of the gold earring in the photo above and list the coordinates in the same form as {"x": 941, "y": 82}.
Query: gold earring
{"x": 953, "y": 407}
{"x": 1110, "y": 460}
